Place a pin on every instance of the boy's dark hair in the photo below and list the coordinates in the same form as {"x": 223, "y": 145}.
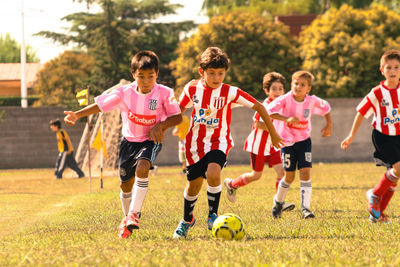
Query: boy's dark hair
{"x": 144, "y": 60}
{"x": 214, "y": 57}
{"x": 56, "y": 122}
{"x": 390, "y": 54}
{"x": 303, "y": 74}
{"x": 272, "y": 77}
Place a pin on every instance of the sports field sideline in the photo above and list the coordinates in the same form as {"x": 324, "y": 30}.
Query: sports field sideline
{"x": 58, "y": 222}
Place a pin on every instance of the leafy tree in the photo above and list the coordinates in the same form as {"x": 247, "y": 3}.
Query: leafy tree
{"x": 342, "y": 49}
{"x": 10, "y": 51}
{"x": 115, "y": 34}
{"x": 62, "y": 77}
{"x": 254, "y": 44}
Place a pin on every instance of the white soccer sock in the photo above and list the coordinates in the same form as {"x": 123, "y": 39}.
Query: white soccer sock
{"x": 139, "y": 193}
{"x": 126, "y": 199}
{"x": 305, "y": 194}
{"x": 283, "y": 188}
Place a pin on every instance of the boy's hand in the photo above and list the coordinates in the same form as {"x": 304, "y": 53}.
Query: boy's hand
{"x": 292, "y": 120}
{"x": 346, "y": 142}
{"x": 327, "y": 130}
{"x": 157, "y": 133}
{"x": 276, "y": 140}
{"x": 70, "y": 118}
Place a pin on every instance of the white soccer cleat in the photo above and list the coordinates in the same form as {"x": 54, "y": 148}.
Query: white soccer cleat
{"x": 230, "y": 191}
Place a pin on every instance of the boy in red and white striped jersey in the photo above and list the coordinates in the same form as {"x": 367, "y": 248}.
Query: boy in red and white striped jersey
{"x": 209, "y": 138}
{"x": 383, "y": 103}
{"x": 259, "y": 145}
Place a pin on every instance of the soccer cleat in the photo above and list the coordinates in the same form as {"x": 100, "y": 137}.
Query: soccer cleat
{"x": 382, "y": 219}
{"x": 277, "y": 209}
{"x": 307, "y": 214}
{"x": 183, "y": 228}
{"x": 210, "y": 220}
{"x": 132, "y": 221}
{"x": 374, "y": 205}
{"x": 230, "y": 191}
{"x": 288, "y": 206}
{"x": 123, "y": 232}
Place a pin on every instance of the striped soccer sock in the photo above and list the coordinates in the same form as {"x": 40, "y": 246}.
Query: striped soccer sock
{"x": 139, "y": 193}
{"x": 305, "y": 194}
{"x": 283, "y": 188}
{"x": 213, "y": 196}
{"x": 189, "y": 204}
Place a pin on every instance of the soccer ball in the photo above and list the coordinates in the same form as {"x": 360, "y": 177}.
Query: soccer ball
{"x": 228, "y": 226}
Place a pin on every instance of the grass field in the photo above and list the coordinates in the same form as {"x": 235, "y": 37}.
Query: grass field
{"x": 58, "y": 222}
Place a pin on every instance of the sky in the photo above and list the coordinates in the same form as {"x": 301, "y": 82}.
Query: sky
{"x": 45, "y": 15}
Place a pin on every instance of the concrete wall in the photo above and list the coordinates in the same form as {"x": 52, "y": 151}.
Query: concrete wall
{"x": 27, "y": 142}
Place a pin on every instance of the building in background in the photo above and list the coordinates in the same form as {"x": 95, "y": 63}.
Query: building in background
{"x": 10, "y": 78}
{"x": 296, "y": 22}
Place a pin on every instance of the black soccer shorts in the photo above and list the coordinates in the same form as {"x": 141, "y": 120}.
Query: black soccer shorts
{"x": 199, "y": 169}
{"x": 297, "y": 156}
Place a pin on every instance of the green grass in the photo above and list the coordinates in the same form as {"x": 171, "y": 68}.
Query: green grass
{"x": 50, "y": 222}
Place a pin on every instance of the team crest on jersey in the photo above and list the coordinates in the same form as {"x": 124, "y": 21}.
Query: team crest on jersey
{"x": 306, "y": 113}
{"x": 152, "y": 104}
{"x": 384, "y": 103}
{"x": 218, "y": 102}
{"x": 195, "y": 99}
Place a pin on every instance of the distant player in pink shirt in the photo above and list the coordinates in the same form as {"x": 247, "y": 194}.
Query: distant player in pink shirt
{"x": 382, "y": 102}
{"x": 292, "y": 119}
{"x": 259, "y": 145}
{"x": 147, "y": 109}
{"x": 209, "y": 138}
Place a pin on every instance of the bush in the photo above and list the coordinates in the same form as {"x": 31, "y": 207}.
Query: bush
{"x": 16, "y": 100}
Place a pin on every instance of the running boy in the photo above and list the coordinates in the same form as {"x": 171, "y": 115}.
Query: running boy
{"x": 383, "y": 103}
{"x": 259, "y": 146}
{"x": 147, "y": 109}
{"x": 181, "y": 130}
{"x": 209, "y": 140}
{"x": 294, "y": 110}
{"x": 66, "y": 151}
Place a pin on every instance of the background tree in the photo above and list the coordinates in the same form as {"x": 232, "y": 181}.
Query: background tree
{"x": 10, "y": 51}
{"x": 342, "y": 49}
{"x": 115, "y": 34}
{"x": 254, "y": 44}
{"x": 62, "y": 77}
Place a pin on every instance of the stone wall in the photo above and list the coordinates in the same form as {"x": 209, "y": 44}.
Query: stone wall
{"x": 27, "y": 142}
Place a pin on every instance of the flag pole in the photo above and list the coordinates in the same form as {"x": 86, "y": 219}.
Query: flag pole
{"x": 88, "y": 143}
{"x": 101, "y": 153}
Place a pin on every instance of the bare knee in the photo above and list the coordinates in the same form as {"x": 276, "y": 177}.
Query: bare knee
{"x": 193, "y": 187}
{"x": 126, "y": 187}
{"x": 142, "y": 168}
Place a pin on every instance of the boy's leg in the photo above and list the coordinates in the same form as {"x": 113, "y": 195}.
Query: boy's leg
{"x": 305, "y": 188}
{"x": 61, "y": 164}
{"x": 74, "y": 166}
{"x": 214, "y": 189}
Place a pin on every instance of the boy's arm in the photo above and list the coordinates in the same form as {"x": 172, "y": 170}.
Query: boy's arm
{"x": 356, "y": 125}
{"x": 261, "y": 125}
{"x": 327, "y": 130}
{"x": 69, "y": 143}
{"x": 275, "y": 138}
{"x": 71, "y": 116}
{"x": 277, "y": 116}
{"x": 157, "y": 132}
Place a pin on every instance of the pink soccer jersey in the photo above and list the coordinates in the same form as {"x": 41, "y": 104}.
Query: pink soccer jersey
{"x": 211, "y": 117}
{"x": 287, "y": 106}
{"x": 383, "y": 103}
{"x": 258, "y": 141}
{"x": 140, "y": 112}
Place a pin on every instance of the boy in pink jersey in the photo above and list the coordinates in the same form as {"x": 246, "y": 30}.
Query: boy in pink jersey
{"x": 259, "y": 146}
{"x": 292, "y": 119}
{"x": 383, "y": 102}
{"x": 147, "y": 109}
{"x": 209, "y": 139}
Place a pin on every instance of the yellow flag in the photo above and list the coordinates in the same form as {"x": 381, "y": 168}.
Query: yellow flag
{"x": 82, "y": 97}
{"x": 99, "y": 143}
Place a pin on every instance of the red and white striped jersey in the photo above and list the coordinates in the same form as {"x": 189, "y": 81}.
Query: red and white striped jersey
{"x": 211, "y": 117}
{"x": 383, "y": 103}
{"x": 258, "y": 141}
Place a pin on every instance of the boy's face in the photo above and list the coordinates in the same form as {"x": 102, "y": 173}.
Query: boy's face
{"x": 300, "y": 88}
{"x": 53, "y": 128}
{"x": 391, "y": 70}
{"x": 275, "y": 90}
{"x": 146, "y": 79}
{"x": 213, "y": 77}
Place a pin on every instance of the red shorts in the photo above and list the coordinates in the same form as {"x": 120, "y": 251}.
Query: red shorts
{"x": 258, "y": 161}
